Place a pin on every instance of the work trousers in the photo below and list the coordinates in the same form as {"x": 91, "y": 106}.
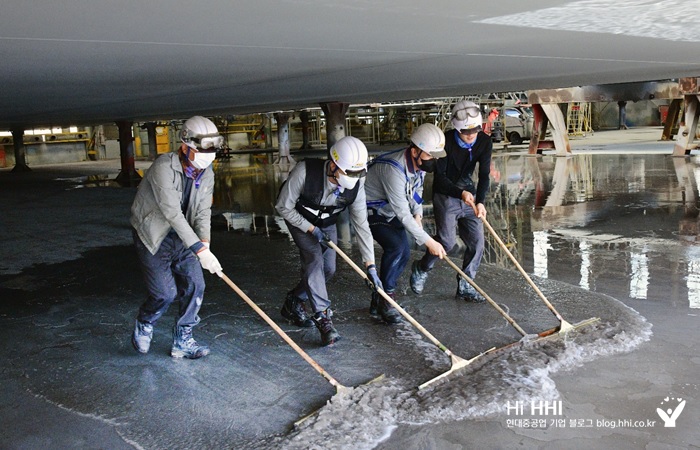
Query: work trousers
{"x": 173, "y": 273}
{"x": 317, "y": 267}
{"x": 452, "y": 215}
{"x": 391, "y": 236}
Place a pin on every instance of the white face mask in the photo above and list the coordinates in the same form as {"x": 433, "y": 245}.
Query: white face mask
{"x": 203, "y": 160}
{"x": 346, "y": 182}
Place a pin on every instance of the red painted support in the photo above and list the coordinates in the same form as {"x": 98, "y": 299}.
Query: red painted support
{"x": 539, "y": 130}
{"x": 128, "y": 176}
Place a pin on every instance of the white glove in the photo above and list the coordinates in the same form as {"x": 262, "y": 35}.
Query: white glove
{"x": 209, "y": 262}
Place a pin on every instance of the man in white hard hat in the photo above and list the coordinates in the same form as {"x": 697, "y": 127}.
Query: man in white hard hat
{"x": 311, "y": 199}
{"x": 171, "y": 217}
{"x": 394, "y": 202}
{"x": 458, "y": 204}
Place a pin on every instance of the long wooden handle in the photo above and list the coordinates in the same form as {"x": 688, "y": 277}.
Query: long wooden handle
{"x": 284, "y": 335}
{"x": 488, "y": 299}
{"x": 522, "y": 271}
{"x": 391, "y": 301}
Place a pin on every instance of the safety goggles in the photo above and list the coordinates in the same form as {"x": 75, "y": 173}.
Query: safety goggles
{"x": 208, "y": 143}
{"x": 469, "y": 111}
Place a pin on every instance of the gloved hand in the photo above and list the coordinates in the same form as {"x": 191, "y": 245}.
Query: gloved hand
{"x": 373, "y": 281}
{"x": 209, "y": 261}
{"x": 321, "y": 236}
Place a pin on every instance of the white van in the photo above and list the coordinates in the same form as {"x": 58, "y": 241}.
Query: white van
{"x": 519, "y": 121}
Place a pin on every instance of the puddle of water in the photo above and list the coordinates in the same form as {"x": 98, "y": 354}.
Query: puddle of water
{"x": 629, "y": 214}
{"x": 93, "y": 181}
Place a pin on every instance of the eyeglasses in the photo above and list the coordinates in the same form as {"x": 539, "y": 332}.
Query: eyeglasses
{"x": 209, "y": 143}
{"x": 469, "y": 111}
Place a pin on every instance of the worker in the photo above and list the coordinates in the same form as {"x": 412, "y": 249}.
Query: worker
{"x": 458, "y": 204}
{"x": 171, "y": 219}
{"x": 395, "y": 205}
{"x": 492, "y": 117}
{"x": 310, "y": 201}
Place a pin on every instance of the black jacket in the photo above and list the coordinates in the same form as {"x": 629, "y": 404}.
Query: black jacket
{"x": 454, "y": 171}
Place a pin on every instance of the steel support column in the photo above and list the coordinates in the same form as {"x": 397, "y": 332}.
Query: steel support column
{"x": 283, "y": 139}
{"x": 688, "y": 128}
{"x": 335, "y": 121}
{"x": 335, "y": 130}
{"x": 152, "y": 140}
{"x": 549, "y": 114}
{"x": 128, "y": 175}
{"x": 305, "y": 130}
{"x": 674, "y": 108}
{"x": 622, "y": 116}
{"x": 267, "y": 127}
{"x": 20, "y": 151}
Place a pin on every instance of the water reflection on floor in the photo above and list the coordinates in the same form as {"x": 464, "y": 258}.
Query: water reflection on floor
{"x": 623, "y": 224}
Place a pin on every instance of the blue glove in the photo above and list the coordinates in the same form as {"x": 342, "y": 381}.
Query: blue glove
{"x": 373, "y": 278}
{"x": 321, "y": 236}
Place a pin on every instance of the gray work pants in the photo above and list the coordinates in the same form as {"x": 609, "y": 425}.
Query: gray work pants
{"x": 173, "y": 273}
{"x": 317, "y": 267}
{"x": 453, "y": 215}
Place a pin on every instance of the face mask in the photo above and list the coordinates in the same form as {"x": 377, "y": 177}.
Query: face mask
{"x": 203, "y": 160}
{"x": 346, "y": 182}
{"x": 428, "y": 165}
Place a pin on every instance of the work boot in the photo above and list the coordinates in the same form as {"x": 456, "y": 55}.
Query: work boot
{"x": 418, "y": 277}
{"x": 294, "y": 311}
{"x": 390, "y": 314}
{"x": 466, "y": 292}
{"x": 323, "y": 322}
{"x": 184, "y": 345}
{"x": 143, "y": 334}
{"x": 373, "y": 304}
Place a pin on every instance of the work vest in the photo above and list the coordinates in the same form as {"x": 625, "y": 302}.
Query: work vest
{"x": 309, "y": 202}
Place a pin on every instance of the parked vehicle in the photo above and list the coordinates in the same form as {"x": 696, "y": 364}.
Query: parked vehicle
{"x": 519, "y": 121}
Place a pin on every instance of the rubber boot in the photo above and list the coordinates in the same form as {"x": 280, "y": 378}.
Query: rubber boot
{"x": 184, "y": 345}
{"x": 323, "y": 322}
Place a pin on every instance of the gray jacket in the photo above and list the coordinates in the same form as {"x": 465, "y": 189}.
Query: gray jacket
{"x": 390, "y": 191}
{"x": 156, "y": 209}
{"x": 291, "y": 191}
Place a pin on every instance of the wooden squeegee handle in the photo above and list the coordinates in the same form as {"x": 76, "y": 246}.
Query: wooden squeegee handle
{"x": 391, "y": 301}
{"x": 510, "y": 320}
{"x": 279, "y": 331}
{"x": 520, "y": 268}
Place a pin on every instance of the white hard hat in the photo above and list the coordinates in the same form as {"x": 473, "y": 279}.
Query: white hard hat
{"x": 350, "y": 154}
{"x": 430, "y": 139}
{"x": 466, "y": 116}
{"x": 200, "y": 133}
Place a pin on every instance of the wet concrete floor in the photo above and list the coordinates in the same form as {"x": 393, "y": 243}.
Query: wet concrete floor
{"x": 606, "y": 225}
